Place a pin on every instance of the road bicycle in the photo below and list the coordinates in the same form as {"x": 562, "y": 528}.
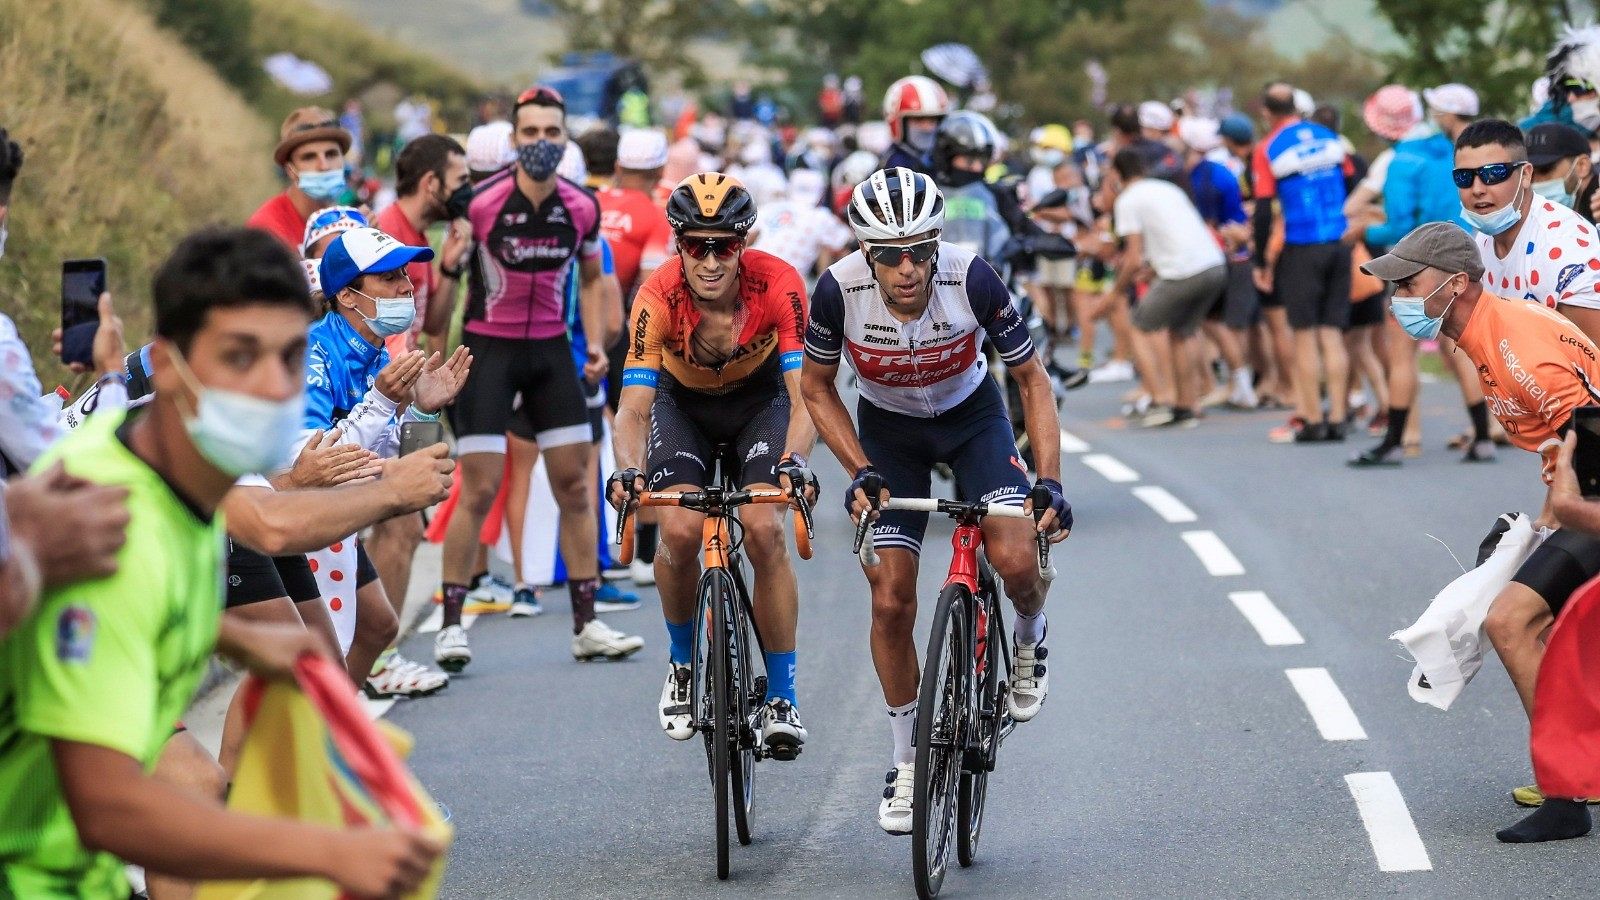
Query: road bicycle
{"x": 727, "y": 690}
{"x": 962, "y": 716}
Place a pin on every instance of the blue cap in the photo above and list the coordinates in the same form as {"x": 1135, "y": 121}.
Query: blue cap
{"x": 363, "y": 251}
{"x": 1236, "y": 127}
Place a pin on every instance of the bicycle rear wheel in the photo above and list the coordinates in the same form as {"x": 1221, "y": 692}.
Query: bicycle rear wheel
{"x": 943, "y": 711}
{"x": 716, "y": 589}
{"x": 747, "y": 692}
{"x": 986, "y": 745}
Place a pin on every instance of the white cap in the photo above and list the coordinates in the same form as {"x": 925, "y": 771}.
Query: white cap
{"x": 1303, "y": 103}
{"x": 489, "y": 147}
{"x": 1457, "y": 99}
{"x": 641, "y": 149}
{"x": 1155, "y": 115}
{"x": 1200, "y": 135}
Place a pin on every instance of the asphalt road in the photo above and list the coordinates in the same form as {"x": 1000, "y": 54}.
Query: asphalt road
{"x": 1175, "y": 756}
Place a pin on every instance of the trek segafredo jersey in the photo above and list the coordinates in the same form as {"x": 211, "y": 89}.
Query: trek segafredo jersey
{"x": 920, "y": 368}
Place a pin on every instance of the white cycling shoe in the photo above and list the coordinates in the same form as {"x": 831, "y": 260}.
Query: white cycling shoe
{"x": 894, "y": 811}
{"x": 781, "y": 731}
{"x": 1029, "y": 682}
{"x": 598, "y": 640}
{"x": 404, "y": 678}
{"x": 675, "y": 710}
{"x": 450, "y": 649}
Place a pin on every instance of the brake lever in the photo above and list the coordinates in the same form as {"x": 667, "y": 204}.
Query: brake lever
{"x": 1040, "y": 498}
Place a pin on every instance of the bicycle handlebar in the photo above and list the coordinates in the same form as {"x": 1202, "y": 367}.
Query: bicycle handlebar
{"x": 864, "y": 531}
{"x": 700, "y": 500}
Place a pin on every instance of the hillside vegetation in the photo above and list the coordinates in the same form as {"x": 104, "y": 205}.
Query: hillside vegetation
{"x": 131, "y": 142}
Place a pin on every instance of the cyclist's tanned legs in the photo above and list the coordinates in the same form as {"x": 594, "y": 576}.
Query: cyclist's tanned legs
{"x": 776, "y": 595}
{"x": 572, "y": 484}
{"x": 894, "y": 616}
{"x": 479, "y": 475}
{"x": 678, "y": 559}
{"x": 1012, "y": 552}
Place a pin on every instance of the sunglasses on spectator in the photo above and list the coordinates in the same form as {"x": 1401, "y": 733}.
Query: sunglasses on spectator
{"x": 723, "y": 247}
{"x": 891, "y": 254}
{"x": 1492, "y": 174}
{"x": 542, "y": 95}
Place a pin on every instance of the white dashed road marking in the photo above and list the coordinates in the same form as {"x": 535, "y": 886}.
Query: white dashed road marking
{"x": 1166, "y": 506}
{"x": 1394, "y": 836}
{"x": 1274, "y": 628}
{"x": 1071, "y": 443}
{"x": 1213, "y": 553}
{"x": 1112, "y": 468}
{"x": 1329, "y": 709}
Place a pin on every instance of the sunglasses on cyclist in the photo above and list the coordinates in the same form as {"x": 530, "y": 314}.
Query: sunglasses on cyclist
{"x": 891, "y": 254}
{"x": 1492, "y": 174}
{"x": 723, "y": 247}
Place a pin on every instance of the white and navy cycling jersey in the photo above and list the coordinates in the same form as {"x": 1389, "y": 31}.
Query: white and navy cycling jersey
{"x": 920, "y": 368}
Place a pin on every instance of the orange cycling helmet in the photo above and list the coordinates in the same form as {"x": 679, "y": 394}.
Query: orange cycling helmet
{"x": 711, "y": 201}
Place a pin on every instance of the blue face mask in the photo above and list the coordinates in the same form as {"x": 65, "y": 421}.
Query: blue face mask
{"x": 1408, "y": 312}
{"x": 241, "y": 434}
{"x": 327, "y": 185}
{"x": 1498, "y": 221}
{"x": 540, "y": 158}
{"x": 395, "y": 314}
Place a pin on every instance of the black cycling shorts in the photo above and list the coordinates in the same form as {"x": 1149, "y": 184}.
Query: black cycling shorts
{"x": 254, "y": 577}
{"x": 541, "y": 371}
{"x": 1313, "y": 281}
{"x": 973, "y": 438}
{"x": 687, "y": 426}
{"x": 595, "y": 400}
{"x": 366, "y": 573}
{"x": 1369, "y": 313}
{"x": 1239, "y": 307}
{"x": 1565, "y": 562}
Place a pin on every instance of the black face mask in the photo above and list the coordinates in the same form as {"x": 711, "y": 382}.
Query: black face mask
{"x": 455, "y": 205}
{"x": 962, "y": 178}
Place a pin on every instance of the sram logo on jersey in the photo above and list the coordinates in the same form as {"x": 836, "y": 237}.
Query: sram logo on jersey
{"x": 919, "y": 368}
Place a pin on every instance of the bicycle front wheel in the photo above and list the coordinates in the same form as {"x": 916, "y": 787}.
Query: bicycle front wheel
{"x": 943, "y": 712}
{"x": 989, "y": 713}
{"x": 716, "y": 591}
{"x": 747, "y": 692}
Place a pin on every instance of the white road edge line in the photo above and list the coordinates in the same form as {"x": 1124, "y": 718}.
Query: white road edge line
{"x": 1111, "y": 467}
{"x": 1394, "y": 836}
{"x": 1329, "y": 709}
{"x": 1213, "y": 553}
{"x": 1071, "y": 443}
{"x": 1166, "y": 506}
{"x": 1275, "y": 629}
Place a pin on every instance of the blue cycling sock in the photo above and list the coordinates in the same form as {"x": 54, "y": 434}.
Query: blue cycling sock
{"x": 780, "y": 676}
{"x": 682, "y": 637}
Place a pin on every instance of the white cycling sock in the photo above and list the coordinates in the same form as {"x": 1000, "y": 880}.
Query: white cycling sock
{"x": 903, "y": 722}
{"x": 1030, "y": 629}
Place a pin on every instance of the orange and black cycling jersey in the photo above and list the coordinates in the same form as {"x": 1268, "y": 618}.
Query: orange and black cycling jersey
{"x": 770, "y": 317}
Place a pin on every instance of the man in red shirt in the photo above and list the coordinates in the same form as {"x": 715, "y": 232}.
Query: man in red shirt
{"x": 311, "y": 149}
{"x": 432, "y": 186}
{"x": 631, "y": 221}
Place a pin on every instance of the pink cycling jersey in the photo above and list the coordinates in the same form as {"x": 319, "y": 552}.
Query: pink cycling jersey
{"x": 516, "y": 286}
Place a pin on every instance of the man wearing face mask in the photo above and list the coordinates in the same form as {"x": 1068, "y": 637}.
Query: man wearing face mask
{"x": 913, "y": 107}
{"x": 96, "y": 677}
{"x": 1533, "y": 249}
{"x": 1535, "y": 368}
{"x": 311, "y": 149}
{"x": 1571, "y": 75}
{"x": 532, "y": 228}
{"x": 1563, "y": 171}
{"x": 431, "y": 186}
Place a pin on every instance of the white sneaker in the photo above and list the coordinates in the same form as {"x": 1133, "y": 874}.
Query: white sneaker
{"x": 781, "y": 730}
{"x": 676, "y": 718}
{"x": 1029, "y": 682}
{"x": 1112, "y": 370}
{"x": 491, "y": 590}
{"x": 643, "y": 573}
{"x": 597, "y": 639}
{"x": 404, "y": 678}
{"x": 450, "y": 649}
{"x": 525, "y": 604}
{"x": 894, "y": 811}
{"x": 1243, "y": 395}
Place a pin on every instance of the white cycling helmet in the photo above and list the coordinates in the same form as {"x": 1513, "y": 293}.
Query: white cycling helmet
{"x": 895, "y": 203}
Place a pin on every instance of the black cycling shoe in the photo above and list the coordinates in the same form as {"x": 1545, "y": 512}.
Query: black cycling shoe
{"x": 1381, "y": 455}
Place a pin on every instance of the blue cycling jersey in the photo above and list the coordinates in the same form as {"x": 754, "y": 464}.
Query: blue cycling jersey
{"x": 1304, "y": 165}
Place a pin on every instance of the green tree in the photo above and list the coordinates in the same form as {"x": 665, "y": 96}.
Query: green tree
{"x": 1496, "y": 47}
{"x": 219, "y": 32}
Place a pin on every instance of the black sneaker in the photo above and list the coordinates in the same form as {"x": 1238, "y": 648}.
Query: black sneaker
{"x": 1336, "y": 431}
{"x": 1381, "y": 455}
{"x": 1313, "y": 433}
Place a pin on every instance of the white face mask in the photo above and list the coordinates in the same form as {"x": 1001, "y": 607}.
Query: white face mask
{"x": 1587, "y": 113}
{"x": 238, "y": 433}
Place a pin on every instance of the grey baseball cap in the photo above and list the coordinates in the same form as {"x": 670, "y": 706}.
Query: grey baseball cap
{"x": 1442, "y": 245}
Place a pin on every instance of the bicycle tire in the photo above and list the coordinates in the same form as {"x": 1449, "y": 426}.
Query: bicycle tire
{"x": 990, "y": 710}
{"x": 943, "y": 712}
{"x": 742, "y": 688}
{"x": 715, "y": 587}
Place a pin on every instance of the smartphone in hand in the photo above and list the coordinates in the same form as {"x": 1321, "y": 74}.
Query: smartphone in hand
{"x": 82, "y": 283}
{"x": 416, "y": 435}
{"x": 1586, "y": 455}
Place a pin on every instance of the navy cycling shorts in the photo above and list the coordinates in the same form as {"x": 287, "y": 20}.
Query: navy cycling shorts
{"x": 973, "y": 438}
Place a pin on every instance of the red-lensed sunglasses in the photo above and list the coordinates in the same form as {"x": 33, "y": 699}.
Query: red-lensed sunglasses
{"x": 723, "y": 247}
